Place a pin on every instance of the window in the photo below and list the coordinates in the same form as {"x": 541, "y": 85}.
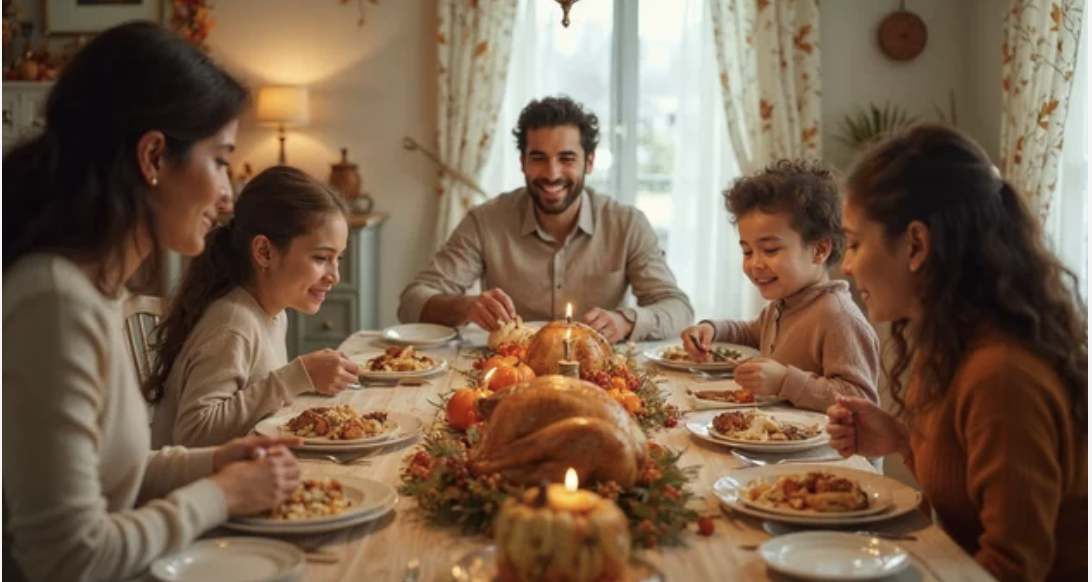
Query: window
{"x": 648, "y": 70}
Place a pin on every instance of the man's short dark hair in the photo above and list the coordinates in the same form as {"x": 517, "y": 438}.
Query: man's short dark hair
{"x": 806, "y": 191}
{"x": 556, "y": 112}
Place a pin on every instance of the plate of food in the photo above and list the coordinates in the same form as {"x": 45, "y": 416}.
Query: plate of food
{"x": 815, "y": 492}
{"x": 340, "y": 425}
{"x": 723, "y": 357}
{"x": 396, "y": 363}
{"x": 421, "y": 335}
{"x": 323, "y": 504}
{"x": 728, "y": 398}
{"x": 892, "y": 497}
{"x": 751, "y": 429}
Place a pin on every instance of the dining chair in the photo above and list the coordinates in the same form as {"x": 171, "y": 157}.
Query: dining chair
{"x": 142, "y": 315}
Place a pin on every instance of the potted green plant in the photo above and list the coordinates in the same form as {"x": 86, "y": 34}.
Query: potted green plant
{"x": 869, "y": 123}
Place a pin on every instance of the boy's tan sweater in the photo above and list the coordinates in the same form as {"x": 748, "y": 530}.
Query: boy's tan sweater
{"x": 821, "y": 335}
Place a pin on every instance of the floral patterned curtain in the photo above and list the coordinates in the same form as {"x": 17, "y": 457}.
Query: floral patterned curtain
{"x": 1039, "y": 58}
{"x": 474, "y": 43}
{"x": 768, "y": 54}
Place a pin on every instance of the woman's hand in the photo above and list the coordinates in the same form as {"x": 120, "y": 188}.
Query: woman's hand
{"x": 330, "y": 371}
{"x": 250, "y": 448}
{"x": 858, "y": 427}
{"x": 251, "y": 487}
{"x": 761, "y": 376}
{"x": 696, "y": 340}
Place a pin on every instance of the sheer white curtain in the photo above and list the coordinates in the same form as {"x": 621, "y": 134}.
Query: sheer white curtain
{"x": 1039, "y": 58}
{"x": 474, "y": 47}
{"x": 1067, "y": 221}
{"x": 704, "y": 247}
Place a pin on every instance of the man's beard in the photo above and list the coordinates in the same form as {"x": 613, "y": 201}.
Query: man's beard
{"x": 575, "y": 188}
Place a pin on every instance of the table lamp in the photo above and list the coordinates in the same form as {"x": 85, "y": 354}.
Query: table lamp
{"x": 283, "y": 107}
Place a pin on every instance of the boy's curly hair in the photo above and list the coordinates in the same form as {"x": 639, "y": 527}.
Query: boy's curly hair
{"x": 806, "y": 191}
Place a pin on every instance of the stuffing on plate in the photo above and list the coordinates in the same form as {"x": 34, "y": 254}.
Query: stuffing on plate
{"x": 752, "y": 425}
{"x": 816, "y": 491}
{"x": 313, "y": 499}
{"x": 400, "y": 360}
{"x": 337, "y": 423}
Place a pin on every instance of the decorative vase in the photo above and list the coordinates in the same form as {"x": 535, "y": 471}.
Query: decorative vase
{"x": 345, "y": 179}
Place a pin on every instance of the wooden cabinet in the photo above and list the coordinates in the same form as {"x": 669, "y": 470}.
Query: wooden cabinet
{"x": 353, "y": 304}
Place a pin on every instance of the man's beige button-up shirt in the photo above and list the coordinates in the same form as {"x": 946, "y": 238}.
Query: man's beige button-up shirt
{"x": 612, "y": 248}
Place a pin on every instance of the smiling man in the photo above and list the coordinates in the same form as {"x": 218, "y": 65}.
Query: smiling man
{"x": 550, "y": 243}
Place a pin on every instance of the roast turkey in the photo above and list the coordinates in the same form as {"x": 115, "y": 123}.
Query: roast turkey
{"x": 536, "y": 431}
{"x": 547, "y": 346}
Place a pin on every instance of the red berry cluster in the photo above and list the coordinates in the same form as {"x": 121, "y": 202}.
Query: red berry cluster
{"x": 603, "y": 378}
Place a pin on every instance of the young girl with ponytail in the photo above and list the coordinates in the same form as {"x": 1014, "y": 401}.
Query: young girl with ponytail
{"x": 991, "y": 328}
{"x": 222, "y": 363}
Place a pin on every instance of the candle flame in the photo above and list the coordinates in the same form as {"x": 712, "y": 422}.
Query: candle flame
{"x": 568, "y": 311}
{"x": 571, "y": 483}
{"x": 487, "y": 376}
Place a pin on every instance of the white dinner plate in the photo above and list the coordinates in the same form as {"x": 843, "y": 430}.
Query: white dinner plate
{"x": 657, "y": 355}
{"x": 439, "y": 365}
{"x": 409, "y": 426}
{"x": 421, "y": 335}
{"x": 369, "y": 500}
{"x": 232, "y": 560}
{"x": 274, "y": 427}
{"x": 480, "y": 565}
{"x": 700, "y": 425}
{"x": 728, "y": 489}
{"x": 828, "y": 555}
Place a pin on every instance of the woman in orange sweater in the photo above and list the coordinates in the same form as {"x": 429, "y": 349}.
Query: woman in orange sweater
{"x": 994, "y": 421}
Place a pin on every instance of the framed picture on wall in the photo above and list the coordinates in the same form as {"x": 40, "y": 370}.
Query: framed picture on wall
{"x": 78, "y": 17}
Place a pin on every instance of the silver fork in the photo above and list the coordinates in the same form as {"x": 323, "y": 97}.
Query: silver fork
{"x": 343, "y": 460}
{"x": 763, "y": 462}
{"x": 385, "y": 384}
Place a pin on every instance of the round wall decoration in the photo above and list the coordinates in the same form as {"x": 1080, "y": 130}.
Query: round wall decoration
{"x": 902, "y": 35}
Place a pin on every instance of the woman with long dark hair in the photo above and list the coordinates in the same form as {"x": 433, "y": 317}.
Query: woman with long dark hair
{"x": 131, "y": 159}
{"x": 991, "y": 329}
{"x": 221, "y": 363}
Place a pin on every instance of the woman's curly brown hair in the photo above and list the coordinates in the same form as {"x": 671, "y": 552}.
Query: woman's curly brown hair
{"x": 988, "y": 262}
{"x": 806, "y": 191}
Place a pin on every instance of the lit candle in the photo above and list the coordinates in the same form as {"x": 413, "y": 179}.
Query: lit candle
{"x": 483, "y": 382}
{"x": 570, "y": 497}
{"x": 569, "y": 344}
{"x": 569, "y": 313}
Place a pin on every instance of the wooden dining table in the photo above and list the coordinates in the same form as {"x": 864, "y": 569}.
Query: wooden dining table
{"x": 384, "y": 549}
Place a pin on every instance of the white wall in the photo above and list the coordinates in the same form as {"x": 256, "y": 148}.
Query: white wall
{"x": 370, "y": 86}
{"x": 963, "y": 53}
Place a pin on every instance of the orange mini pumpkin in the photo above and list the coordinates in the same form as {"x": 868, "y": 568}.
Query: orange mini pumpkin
{"x": 508, "y": 371}
{"x": 461, "y": 410}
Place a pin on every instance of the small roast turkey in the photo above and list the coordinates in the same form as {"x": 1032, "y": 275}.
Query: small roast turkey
{"x": 536, "y": 431}
{"x": 547, "y": 346}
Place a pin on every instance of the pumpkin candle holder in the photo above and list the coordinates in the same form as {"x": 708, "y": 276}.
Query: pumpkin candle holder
{"x": 561, "y": 532}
